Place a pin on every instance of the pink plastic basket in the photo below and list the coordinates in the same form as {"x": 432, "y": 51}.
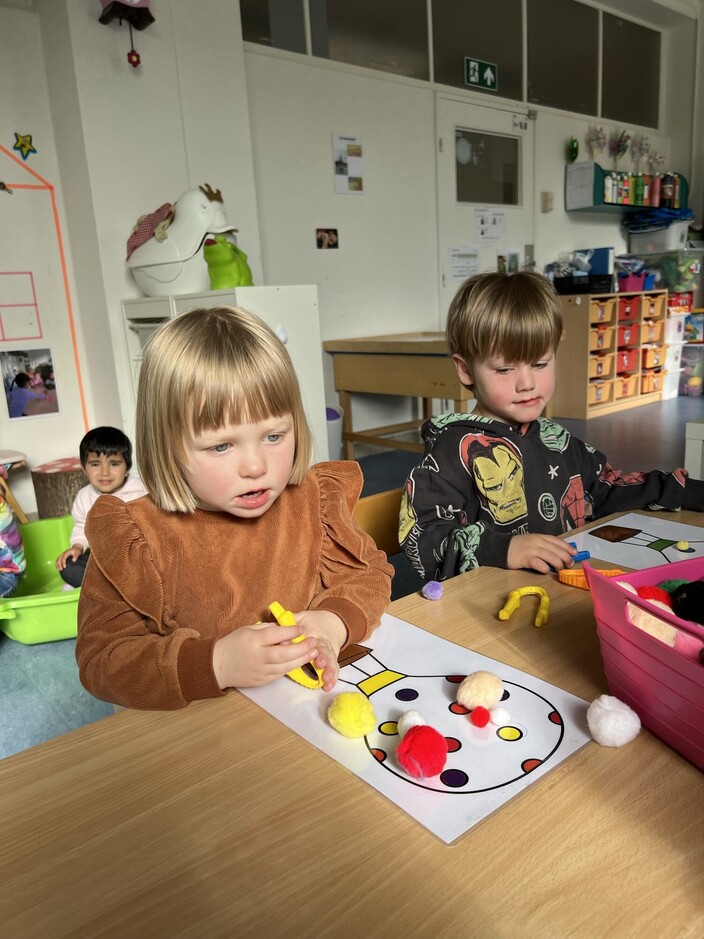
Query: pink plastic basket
{"x": 664, "y": 687}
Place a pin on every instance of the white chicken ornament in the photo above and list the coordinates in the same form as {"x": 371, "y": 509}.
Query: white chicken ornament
{"x": 173, "y": 261}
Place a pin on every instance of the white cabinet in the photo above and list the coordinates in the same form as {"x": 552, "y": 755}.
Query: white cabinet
{"x": 292, "y": 312}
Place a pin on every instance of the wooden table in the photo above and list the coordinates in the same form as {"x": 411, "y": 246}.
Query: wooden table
{"x": 217, "y": 821}
{"x": 415, "y": 365}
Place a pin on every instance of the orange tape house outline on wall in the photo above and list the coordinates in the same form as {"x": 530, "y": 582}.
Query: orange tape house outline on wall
{"x": 43, "y": 186}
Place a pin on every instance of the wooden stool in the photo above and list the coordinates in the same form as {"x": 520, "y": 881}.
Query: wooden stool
{"x": 10, "y": 459}
{"x": 56, "y": 485}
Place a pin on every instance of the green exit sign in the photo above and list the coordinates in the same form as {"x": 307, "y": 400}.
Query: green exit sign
{"x": 478, "y": 74}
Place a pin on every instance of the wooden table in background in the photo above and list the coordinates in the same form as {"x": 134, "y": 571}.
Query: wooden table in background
{"x": 413, "y": 365}
{"x": 218, "y": 821}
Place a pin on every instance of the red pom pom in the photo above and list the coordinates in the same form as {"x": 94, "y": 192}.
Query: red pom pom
{"x": 479, "y": 716}
{"x": 648, "y": 592}
{"x": 423, "y": 752}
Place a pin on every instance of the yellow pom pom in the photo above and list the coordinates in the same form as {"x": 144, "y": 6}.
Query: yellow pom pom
{"x": 351, "y": 714}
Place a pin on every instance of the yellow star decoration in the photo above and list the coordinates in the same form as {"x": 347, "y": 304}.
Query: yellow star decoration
{"x": 23, "y": 144}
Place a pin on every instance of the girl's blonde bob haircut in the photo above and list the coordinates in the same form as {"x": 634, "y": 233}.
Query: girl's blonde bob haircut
{"x": 202, "y": 370}
{"x": 515, "y": 317}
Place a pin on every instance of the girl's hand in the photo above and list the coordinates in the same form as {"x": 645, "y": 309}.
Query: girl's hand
{"x": 539, "y": 553}
{"x": 256, "y": 655}
{"x": 330, "y": 633}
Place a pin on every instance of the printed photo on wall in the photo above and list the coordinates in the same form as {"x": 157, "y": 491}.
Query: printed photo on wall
{"x": 29, "y": 382}
{"x": 327, "y": 238}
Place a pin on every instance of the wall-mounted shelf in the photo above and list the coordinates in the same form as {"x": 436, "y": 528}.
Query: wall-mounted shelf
{"x": 584, "y": 191}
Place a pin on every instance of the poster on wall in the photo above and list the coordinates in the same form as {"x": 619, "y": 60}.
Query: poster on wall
{"x": 29, "y": 383}
{"x": 348, "y": 164}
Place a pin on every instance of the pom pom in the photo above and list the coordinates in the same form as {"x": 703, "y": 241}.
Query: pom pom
{"x": 408, "y": 720}
{"x": 688, "y": 601}
{"x": 480, "y": 688}
{"x": 499, "y": 716}
{"x": 648, "y": 592}
{"x": 433, "y": 590}
{"x": 351, "y": 714}
{"x": 671, "y": 585}
{"x": 423, "y": 752}
{"x": 480, "y": 716}
{"x": 612, "y": 722}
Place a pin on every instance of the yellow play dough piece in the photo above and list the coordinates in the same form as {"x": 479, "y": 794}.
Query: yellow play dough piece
{"x": 307, "y": 675}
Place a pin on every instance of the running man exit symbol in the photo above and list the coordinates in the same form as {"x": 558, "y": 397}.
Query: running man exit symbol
{"x": 480, "y": 74}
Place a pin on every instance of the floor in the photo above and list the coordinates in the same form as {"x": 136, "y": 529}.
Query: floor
{"x": 41, "y": 696}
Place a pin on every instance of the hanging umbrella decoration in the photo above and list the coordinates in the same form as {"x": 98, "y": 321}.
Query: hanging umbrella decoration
{"x": 596, "y": 141}
{"x": 135, "y": 12}
{"x": 618, "y": 146}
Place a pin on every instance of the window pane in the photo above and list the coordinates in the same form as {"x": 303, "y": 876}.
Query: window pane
{"x": 631, "y": 72}
{"x": 277, "y": 23}
{"x": 490, "y": 32}
{"x": 563, "y": 55}
{"x": 391, "y": 36}
{"x": 486, "y": 168}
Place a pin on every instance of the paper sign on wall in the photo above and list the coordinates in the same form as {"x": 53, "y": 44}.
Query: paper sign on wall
{"x": 348, "y": 164}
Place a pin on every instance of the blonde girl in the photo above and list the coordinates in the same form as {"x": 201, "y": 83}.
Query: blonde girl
{"x": 174, "y": 604}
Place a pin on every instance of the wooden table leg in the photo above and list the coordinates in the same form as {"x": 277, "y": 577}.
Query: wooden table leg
{"x": 347, "y": 444}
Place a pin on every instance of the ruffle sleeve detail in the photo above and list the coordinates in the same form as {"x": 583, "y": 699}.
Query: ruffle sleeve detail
{"x": 129, "y": 644}
{"x": 355, "y": 577}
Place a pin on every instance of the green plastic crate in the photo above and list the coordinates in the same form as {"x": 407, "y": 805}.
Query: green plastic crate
{"x": 40, "y": 610}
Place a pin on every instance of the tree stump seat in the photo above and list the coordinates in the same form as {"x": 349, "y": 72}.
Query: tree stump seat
{"x": 56, "y": 484}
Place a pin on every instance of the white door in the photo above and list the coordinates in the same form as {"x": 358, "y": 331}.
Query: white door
{"x": 485, "y": 191}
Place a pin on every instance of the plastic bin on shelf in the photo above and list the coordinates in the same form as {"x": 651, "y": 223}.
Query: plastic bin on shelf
{"x": 626, "y": 360}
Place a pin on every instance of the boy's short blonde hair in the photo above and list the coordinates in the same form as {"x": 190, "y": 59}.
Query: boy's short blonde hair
{"x": 517, "y": 317}
{"x": 201, "y": 370}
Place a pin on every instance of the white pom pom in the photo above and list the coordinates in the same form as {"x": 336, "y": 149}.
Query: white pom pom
{"x": 612, "y": 722}
{"x": 408, "y": 720}
{"x": 499, "y": 716}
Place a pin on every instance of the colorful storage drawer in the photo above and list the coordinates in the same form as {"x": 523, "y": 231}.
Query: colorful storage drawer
{"x": 654, "y": 306}
{"x": 600, "y": 392}
{"x": 625, "y": 386}
{"x": 601, "y": 339}
{"x": 651, "y": 381}
{"x": 653, "y": 356}
{"x": 601, "y": 366}
{"x": 602, "y": 311}
{"x": 626, "y": 360}
{"x": 628, "y": 309}
{"x": 628, "y": 335}
{"x": 651, "y": 331}
{"x": 663, "y": 684}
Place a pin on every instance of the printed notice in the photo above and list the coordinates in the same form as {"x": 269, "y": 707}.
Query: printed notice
{"x": 348, "y": 164}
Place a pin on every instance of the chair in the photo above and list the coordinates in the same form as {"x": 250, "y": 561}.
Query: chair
{"x": 10, "y": 458}
{"x": 378, "y": 516}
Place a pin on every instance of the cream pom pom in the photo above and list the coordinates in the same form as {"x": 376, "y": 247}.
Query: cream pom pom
{"x": 480, "y": 689}
{"x": 612, "y": 722}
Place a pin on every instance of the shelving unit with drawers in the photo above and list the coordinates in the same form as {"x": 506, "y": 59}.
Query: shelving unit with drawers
{"x": 612, "y": 355}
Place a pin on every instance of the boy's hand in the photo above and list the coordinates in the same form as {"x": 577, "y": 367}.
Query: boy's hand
{"x": 539, "y": 553}
{"x": 330, "y": 632}
{"x": 258, "y": 654}
{"x": 73, "y": 553}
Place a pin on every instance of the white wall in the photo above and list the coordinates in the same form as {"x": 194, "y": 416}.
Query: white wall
{"x": 117, "y": 142}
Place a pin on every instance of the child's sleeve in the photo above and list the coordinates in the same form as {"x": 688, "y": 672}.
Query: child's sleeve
{"x": 79, "y": 513}
{"x": 440, "y": 528}
{"x": 128, "y": 646}
{"x": 612, "y": 490}
{"x": 354, "y": 575}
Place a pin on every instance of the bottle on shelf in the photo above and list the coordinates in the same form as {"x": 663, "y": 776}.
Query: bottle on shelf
{"x": 646, "y": 188}
{"x": 638, "y": 189}
{"x": 655, "y": 187}
{"x": 626, "y": 189}
{"x": 609, "y": 188}
{"x": 677, "y": 193}
{"x": 667, "y": 191}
